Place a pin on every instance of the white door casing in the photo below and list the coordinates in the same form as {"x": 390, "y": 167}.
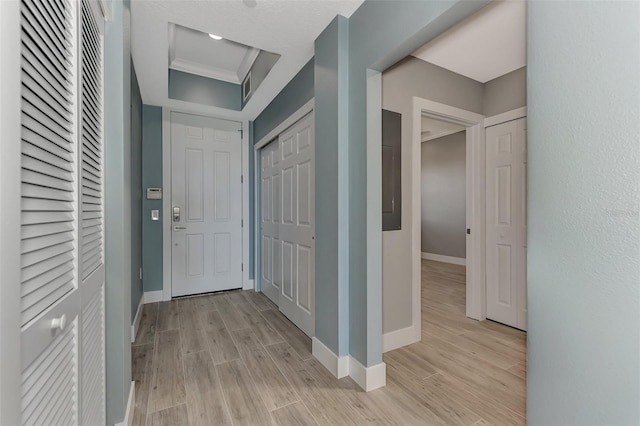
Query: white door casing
{"x": 206, "y": 242}
{"x": 506, "y": 223}
{"x": 288, "y": 223}
{"x": 271, "y": 248}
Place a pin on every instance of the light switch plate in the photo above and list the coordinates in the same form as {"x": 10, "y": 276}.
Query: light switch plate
{"x": 154, "y": 193}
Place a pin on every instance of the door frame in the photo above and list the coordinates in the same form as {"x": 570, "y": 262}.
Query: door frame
{"x": 475, "y": 205}
{"x": 165, "y": 293}
{"x": 475, "y": 124}
{"x": 299, "y": 114}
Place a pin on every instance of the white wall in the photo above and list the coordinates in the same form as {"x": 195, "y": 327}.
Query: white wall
{"x": 583, "y": 209}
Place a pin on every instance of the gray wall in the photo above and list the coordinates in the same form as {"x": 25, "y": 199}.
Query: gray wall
{"x": 295, "y": 94}
{"x": 444, "y": 195}
{"x": 331, "y": 198}
{"x": 117, "y": 116}
{"x": 413, "y": 77}
{"x": 583, "y": 201}
{"x": 189, "y": 87}
{"x": 505, "y": 93}
{"x": 136, "y": 193}
{"x": 151, "y": 178}
{"x": 259, "y": 70}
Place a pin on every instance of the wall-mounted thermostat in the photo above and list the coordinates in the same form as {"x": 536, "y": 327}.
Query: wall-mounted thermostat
{"x": 154, "y": 193}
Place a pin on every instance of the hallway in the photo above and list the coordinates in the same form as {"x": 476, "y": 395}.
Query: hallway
{"x": 232, "y": 358}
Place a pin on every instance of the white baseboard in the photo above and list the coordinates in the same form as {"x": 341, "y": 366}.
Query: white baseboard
{"x": 368, "y": 378}
{"x": 152, "y": 296}
{"x": 136, "y": 319}
{"x": 399, "y": 338}
{"x": 338, "y": 366}
{"x": 445, "y": 259}
{"x": 128, "y": 414}
{"x": 248, "y": 285}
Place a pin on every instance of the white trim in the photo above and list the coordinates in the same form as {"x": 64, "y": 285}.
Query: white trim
{"x": 368, "y": 378}
{"x": 475, "y": 204}
{"x": 128, "y": 415}
{"x": 10, "y": 214}
{"x": 338, "y": 366}
{"x": 136, "y": 320}
{"x": 514, "y": 114}
{"x": 293, "y": 118}
{"x": 441, "y": 134}
{"x": 153, "y": 297}
{"x": 166, "y": 203}
{"x": 249, "y": 284}
{"x": 399, "y": 338}
{"x": 446, "y": 259}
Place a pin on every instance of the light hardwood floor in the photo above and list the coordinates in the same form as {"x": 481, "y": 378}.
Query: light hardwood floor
{"x": 232, "y": 358}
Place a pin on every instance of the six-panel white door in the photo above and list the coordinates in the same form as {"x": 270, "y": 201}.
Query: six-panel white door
{"x": 206, "y": 213}
{"x": 271, "y": 271}
{"x": 506, "y": 226}
{"x": 288, "y": 224}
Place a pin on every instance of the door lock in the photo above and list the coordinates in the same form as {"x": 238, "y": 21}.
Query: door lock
{"x": 176, "y": 214}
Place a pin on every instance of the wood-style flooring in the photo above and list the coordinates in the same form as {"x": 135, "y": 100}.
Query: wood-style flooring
{"x": 233, "y": 358}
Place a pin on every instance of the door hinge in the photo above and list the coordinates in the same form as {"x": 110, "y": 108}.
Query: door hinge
{"x": 241, "y": 134}
{"x": 242, "y": 267}
{"x": 241, "y": 178}
{"x": 469, "y": 231}
{"x": 140, "y": 273}
{"x": 241, "y": 223}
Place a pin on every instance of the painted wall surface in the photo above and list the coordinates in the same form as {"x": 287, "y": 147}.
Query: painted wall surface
{"x": 117, "y": 117}
{"x": 400, "y": 83}
{"x": 151, "y": 178}
{"x": 136, "y": 193}
{"x": 295, "y": 94}
{"x": 189, "y": 87}
{"x": 259, "y": 70}
{"x": 505, "y": 93}
{"x": 443, "y": 190}
{"x": 380, "y": 34}
{"x": 583, "y": 202}
{"x": 332, "y": 198}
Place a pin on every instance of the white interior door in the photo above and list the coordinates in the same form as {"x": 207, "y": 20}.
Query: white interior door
{"x": 62, "y": 263}
{"x": 206, "y": 192}
{"x": 271, "y": 267}
{"x": 506, "y": 223}
{"x": 288, "y": 225}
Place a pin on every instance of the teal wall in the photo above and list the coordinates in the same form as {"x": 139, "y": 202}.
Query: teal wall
{"x": 583, "y": 213}
{"x": 331, "y": 193}
{"x": 151, "y": 178}
{"x": 136, "y": 193}
{"x": 380, "y": 34}
{"x": 189, "y": 87}
{"x": 295, "y": 94}
{"x": 117, "y": 153}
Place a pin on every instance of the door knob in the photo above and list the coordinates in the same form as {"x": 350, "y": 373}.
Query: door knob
{"x": 178, "y": 228}
{"x": 59, "y": 322}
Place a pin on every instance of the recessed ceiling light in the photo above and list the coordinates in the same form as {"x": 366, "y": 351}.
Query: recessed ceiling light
{"x": 215, "y": 37}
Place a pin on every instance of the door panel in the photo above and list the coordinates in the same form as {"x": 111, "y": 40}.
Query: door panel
{"x": 206, "y": 190}
{"x": 287, "y": 225}
{"x": 506, "y": 223}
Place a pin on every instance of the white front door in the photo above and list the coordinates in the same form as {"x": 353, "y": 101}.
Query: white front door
{"x": 271, "y": 269}
{"x": 506, "y": 243}
{"x": 288, "y": 223}
{"x": 206, "y": 205}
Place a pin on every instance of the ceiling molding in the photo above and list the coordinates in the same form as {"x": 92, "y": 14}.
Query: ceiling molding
{"x": 185, "y": 65}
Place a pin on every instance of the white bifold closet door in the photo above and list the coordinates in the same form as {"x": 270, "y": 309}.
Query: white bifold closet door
{"x": 506, "y": 227}
{"x": 62, "y": 268}
{"x": 288, "y": 223}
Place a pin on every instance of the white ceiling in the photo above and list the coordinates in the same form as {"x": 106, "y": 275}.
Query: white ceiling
{"x": 288, "y": 28}
{"x": 195, "y": 52}
{"x": 486, "y": 45}
{"x": 433, "y": 129}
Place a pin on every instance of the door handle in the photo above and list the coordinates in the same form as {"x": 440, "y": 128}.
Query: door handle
{"x": 179, "y": 228}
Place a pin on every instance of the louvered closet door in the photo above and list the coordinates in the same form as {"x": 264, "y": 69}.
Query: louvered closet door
{"x": 62, "y": 277}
